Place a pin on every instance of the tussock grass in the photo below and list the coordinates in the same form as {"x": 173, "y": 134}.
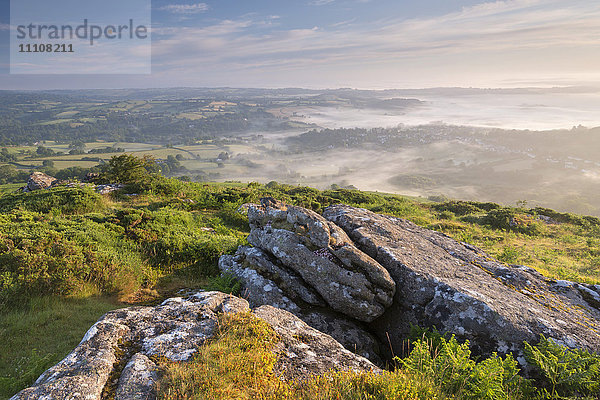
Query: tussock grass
{"x": 238, "y": 364}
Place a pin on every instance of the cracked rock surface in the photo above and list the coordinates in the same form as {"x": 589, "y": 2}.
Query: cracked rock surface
{"x": 267, "y": 283}
{"x": 322, "y": 255}
{"x": 175, "y": 329}
{"x": 459, "y": 289}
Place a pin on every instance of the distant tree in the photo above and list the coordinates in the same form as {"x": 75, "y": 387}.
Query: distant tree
{"x": 128, "y": 169}
{"x": 7, "y": 173}
{"x": 48, "y": 163}
{"x": 44, "y": 151}
{"x": 78, "y": 173}
{"x": 10, "y": 174}
{"x": 77, "y": 147}
{"x": 179, "y": 157}
{"x": 6, "y": 156}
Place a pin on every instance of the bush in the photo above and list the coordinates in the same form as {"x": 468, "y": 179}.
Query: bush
{"x": 451, "y": 368}
{"x": 565, "y": 372}
{"x": 42, "y": 255}
{"x": 509, "y": 220}
{"x": 175, "y": 239}
{"x": 226, "y": 283}
{"x": 465, "y": 207}
{"x": 509, "y": 254}
{"x": 60, "y": 200}
{"x": 129, "y": 170}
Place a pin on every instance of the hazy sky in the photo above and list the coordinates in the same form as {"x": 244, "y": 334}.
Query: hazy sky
{"x": 356, "y": 43}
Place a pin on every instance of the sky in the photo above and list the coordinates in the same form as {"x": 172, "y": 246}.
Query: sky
{"x": 366, "y": 44}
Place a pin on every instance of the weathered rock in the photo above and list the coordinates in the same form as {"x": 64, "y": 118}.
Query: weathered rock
{"x": 38, "y": 181}
{"x": 254, "y": 268}
{"x": 349, "y": 333}
{"x": 106, "y": 189}
{"x": 305, "y": 351}
{"x": 259, "y": 271}
{"x": 324, "y": 257}
{"x": 265, "y": 282}
{"x": 460, "y": 289}
{"x": 257, "y": 289}
{"x": 138, "y": 379}
{"x": 174, "y": 330}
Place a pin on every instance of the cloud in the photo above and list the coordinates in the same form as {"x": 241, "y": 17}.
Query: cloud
{"x": 186, "y": 8}
{"x": 320, "y": 2}
{"x": 503, "y": 37}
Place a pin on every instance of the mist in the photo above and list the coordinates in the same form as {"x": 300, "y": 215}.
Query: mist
{"x": 540, "y": 110}
{"x": 498, "y": 146}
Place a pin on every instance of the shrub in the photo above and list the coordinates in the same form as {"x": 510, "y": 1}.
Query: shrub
{"x": 129, "y": 170}
{"x": 510, "y": 220}
{"x": 42, "y": 255}
{"x": 509, "y": 254}
{"x": 449, "y": 365}
{"x": 565, "y": 372}
{"x": 225, "y": 283}
{"x": 465, "y": 207}
{"x": 60, "y": 200}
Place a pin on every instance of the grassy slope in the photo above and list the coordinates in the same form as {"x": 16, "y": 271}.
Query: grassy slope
{"x": 170, "y": 236}
{"x": 35, "y": 338}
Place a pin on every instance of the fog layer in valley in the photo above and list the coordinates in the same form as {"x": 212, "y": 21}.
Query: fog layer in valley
{"x": 525, "y": 109}
{"x": 537, "y": 160}
{"x": 489, "y": 145}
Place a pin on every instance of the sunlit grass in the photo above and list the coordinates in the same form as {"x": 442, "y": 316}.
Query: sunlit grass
{"x": 33, "y": 339}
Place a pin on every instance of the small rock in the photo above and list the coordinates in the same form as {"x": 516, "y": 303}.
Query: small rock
{"x": 39, "y": 181}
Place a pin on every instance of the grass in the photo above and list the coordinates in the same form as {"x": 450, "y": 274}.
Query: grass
{"x": 33, "y": 339}
{"x": 559, "y": 251}
{"x": 238, "y": 363}
{"x": 10, "y": 188}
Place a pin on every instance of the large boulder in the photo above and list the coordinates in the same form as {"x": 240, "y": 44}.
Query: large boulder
{"x": 319, "y": 252}
{"x": 458, "y": 288}
{"x": 115, "y": 355}
{"x": 38, "y": 181}
{"x": 266, "y": 282}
